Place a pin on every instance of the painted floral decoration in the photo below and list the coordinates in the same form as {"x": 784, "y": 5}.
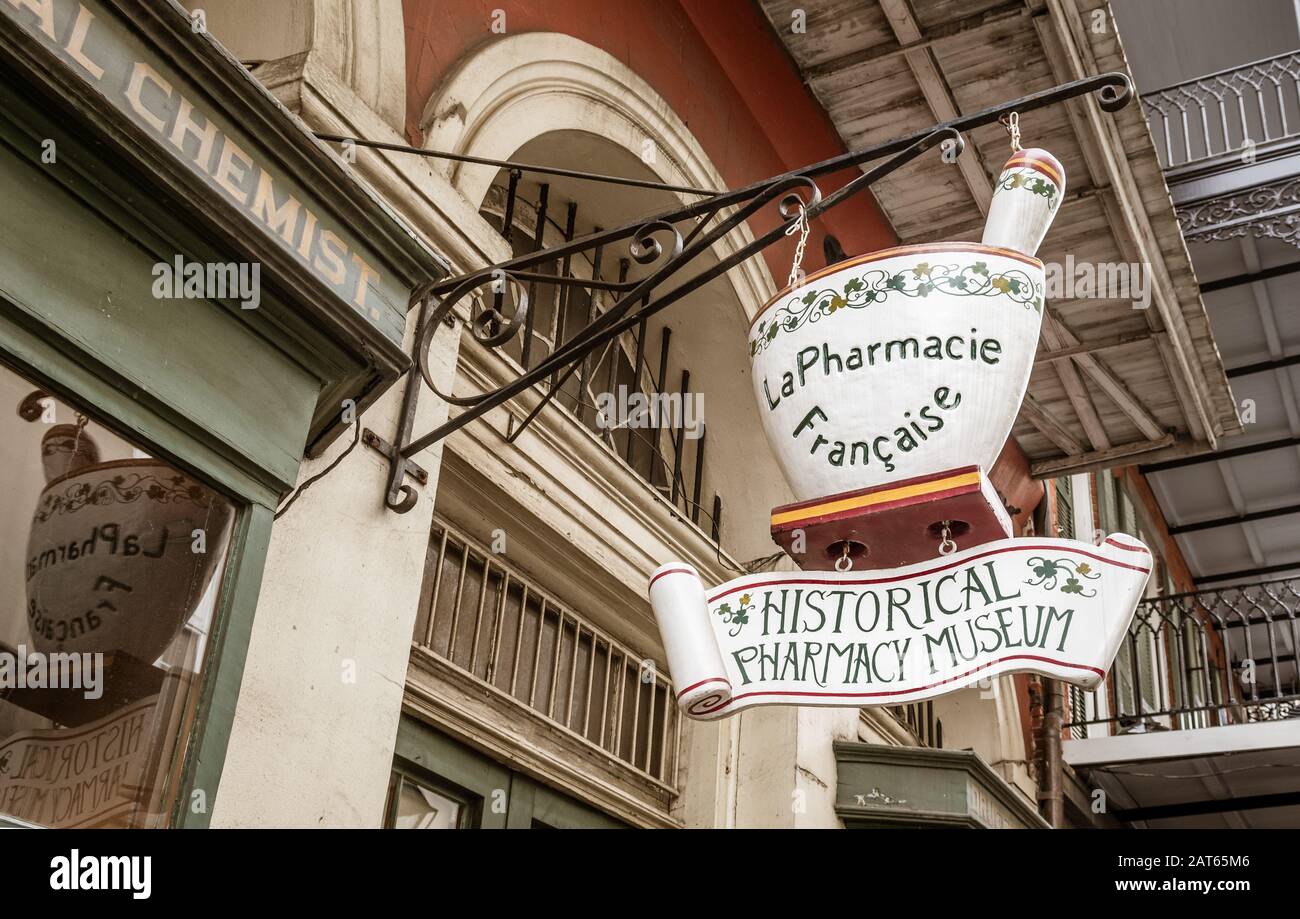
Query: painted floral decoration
{"x": 738, "y": 617}
{"x": 1047, "y": 573}
{"x": 1030, "y": 181}
{"x": 875, "y": 285}
{"x": 123, "y": 488}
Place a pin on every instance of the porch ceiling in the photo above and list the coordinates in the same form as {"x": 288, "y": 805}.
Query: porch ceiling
{"x": 1237, "y": 777}
{"x": 1146, "y": 384}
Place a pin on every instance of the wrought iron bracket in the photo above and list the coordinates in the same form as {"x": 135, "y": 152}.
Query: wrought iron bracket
{"x": 663, "y": 249}
{"x": 408, "y": 467}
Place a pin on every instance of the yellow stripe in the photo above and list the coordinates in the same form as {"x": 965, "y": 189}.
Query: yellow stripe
{"x": 880, "y": 497}
{"x": 1032, "y": 162}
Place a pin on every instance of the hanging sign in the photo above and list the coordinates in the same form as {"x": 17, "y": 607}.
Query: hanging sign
{"x": 887, "y": 385}
{"x": 78, "y": 777}
{"x": 1057, "y": 607}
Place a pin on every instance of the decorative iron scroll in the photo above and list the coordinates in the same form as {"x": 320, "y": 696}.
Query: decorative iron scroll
{"x": 666, "y": 244}
{"x": 1267, "y": 211}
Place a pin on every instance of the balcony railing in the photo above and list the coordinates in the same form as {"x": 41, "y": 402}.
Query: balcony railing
{"x": 1232, "y": 111}
{"x": 1203, "y": 659}
{"x": 521, "y": 646}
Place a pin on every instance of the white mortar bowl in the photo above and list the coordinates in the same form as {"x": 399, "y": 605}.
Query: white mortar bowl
{"x": 134, "y": 599}
{"x": 925, "y": 299}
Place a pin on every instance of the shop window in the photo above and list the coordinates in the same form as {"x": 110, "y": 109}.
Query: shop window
{"x": 420, "y": 804}
{"x": 110, "y": 564}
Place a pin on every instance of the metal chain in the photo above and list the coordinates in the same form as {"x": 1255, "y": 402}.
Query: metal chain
{"x": 845, "y": 561}
{"x": 804, "y": 230}
{"x": 1011, "y": 122}
{"x": 946, "y": 544}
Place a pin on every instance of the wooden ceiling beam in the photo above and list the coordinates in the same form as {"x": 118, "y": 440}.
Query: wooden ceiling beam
{"x": 1013, "y": 9}
{"x": 938, "y": 95}
{"x": 1097, "y": 459}
{"x": 1053, "y": 334}
{"x": 1110, "y": 384}
{"x": 1099, "y": 344}
{"x": 1047, "y": 424}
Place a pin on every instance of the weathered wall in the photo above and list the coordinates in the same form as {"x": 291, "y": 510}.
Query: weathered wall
{"x": 312, "y": 741}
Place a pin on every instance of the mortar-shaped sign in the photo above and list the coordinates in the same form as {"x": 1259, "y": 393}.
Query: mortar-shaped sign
{"x": 112, "y": 562}
{"x": 897, "y": 364}
{"x": 1056, "y": 607}
{"x": 911, "y": 360}
{"x": 901, "y": 368}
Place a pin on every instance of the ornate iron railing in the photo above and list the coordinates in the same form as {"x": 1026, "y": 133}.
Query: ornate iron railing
{"x": 1202, "y": 659}
{"x": 1232, "y": 111}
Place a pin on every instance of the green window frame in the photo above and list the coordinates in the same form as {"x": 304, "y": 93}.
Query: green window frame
{"x": 492, "y": 795}
{"x": 210, "y": 426}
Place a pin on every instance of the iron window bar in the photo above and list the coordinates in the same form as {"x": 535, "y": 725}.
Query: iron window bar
{"x": 658, "y": 454}
{"x": 1226, "y": 656}
{"x": 496, "y": 625}
{"x": 658, "y": 244}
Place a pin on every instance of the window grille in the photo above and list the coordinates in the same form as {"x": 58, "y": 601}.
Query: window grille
{"x": 491, "y": 621}
{"x": 918, "y": 718}
{"x": 1078, "y": 712}
{"x": 660, "y": 452}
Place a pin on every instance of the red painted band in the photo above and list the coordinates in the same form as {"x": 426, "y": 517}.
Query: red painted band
{"x": 877, "y": 508}
{"x": 875, "y": 489}
{"x": 901, "y": 577}
{"x": 903, "y": 692}
{"x": 712, "y": 679}
{"x": 670, "y": 571}
{"x": 1041, "y": 168}
{"x": 1131, "y": 548}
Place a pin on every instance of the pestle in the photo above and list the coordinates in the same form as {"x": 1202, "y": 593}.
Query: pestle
{"x": 1026, "y": 197}
{"x": 65, "y": 449}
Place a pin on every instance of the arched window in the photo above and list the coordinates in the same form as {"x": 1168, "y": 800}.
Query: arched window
{"x": 655, "y": 445}
{"x": 550, "y": 99}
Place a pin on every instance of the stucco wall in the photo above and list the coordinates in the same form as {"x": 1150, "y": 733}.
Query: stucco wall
{"x": 312, "y": 742}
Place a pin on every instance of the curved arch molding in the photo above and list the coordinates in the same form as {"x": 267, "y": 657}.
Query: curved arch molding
{"x": 504, "y": 94}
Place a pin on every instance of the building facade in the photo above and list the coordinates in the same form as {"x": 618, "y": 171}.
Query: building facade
{"x": 470, "y": 643}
